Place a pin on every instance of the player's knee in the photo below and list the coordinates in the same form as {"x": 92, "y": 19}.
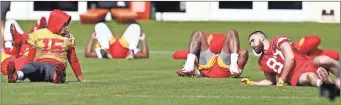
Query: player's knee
{"x": 303, "y": 79}
{"x": 322, "y": 60}
{"x": 243, "y": 52}
{"x": 197, "y": 34}
{"x": 232, "y": 33}
{"x": 100, "y": 25}
{"x": 134, "y": 26}
{"x": 11, "y": 21}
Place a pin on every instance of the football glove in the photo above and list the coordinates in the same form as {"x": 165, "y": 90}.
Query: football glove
{"x": 246, "y": 81}
{"x": 280, "y": 82}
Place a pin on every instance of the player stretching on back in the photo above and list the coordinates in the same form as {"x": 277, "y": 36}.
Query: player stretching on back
{"x": 53, "y": 46}
{"x": 112, "y": 47}
{"x": 230, "y": 62}
{"x": 280, "y": 58}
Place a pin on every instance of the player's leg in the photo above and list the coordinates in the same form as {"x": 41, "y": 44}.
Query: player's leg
{"x": 41, "y": 23}
{"x": 103, "y": 35}
{"x": 131, "y": 35}
{"x": 30, "y": 71}
{"x": 308, "y": 44}
{"x": 54, "y": 72}
{"x": 198, "y": 49}
{"x": 310, "y": 79}
{"x": 242, "y": 59}
{"x": 8, "y": 34}
{"x": 230, "y": 52}
{"x": 327, "y": 63}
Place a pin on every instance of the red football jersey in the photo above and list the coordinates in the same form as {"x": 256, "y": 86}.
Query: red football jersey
{"x": 272, "y": 60}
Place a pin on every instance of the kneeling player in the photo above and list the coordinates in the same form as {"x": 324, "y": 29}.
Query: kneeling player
{"x": 230, "y": 61}
{"x": 112, "y": 47}
{"x": 280, "y": 58}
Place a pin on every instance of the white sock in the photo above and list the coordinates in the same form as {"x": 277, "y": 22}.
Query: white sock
{"x": 190, "y": 61}
{"x": 234, "y": 58}
{"x": 234, "y": 65}
{"x": 98, "y": 53}
{"x": 20, "y": 75}
{"x": 319, "y": 82}
{"x": 8, "y": 44}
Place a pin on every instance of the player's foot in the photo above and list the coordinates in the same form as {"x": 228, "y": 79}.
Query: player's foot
{"x": 329, "y": 91}
{"x": 17, "y": 38}
{"x": 130, "y": 56}
{"x": 42, "y": 23}
{"x": 12, "y": 75}
{"x": 59, "y": 72}
{"x": 104, "y": 53}
{"x": 182, "y": 73}
{"x": 323, "y": 74}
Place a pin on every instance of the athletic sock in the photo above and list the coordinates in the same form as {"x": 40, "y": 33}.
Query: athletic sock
{"x": 319, "y": 82}
{"x": 20, "y": 75}
{"x": 189, "y": 64}
{"x": 234, "y": 60}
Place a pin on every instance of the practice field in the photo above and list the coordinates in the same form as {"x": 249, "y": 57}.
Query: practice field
{"x": 154, "y": 82}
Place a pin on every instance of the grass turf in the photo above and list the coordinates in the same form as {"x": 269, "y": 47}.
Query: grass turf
{"x": 154, "y": 82}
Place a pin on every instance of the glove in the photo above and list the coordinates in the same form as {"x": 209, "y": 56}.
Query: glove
{"x": 280, "y": 82}
{"x": 246, "y": 81}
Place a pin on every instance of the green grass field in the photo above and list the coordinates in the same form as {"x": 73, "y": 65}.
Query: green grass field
{"x": 154, "y": 82}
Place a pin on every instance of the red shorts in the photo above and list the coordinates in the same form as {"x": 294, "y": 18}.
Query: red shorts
{"x": 302, "y": 66}
{"x": 215, "y": 71}
{"x": 117, "y": 50}
{"x": 19, "y": 63}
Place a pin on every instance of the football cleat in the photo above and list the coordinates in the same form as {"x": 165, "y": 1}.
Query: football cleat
{"x": 104, "y": 53}
{"x": 12, "y": 75}
{"x": 188, "y": 74}
{"x": 323, "y": 74}
{"x": 329, "y": 91}
{"x": 130, "y": 55}
{"x": 17, "y": 38}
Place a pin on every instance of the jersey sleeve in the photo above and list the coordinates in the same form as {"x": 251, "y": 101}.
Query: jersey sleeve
{"x": 32, "y": 39}
{"x": 72, "y": 41}
{"x": 280, "y": 40}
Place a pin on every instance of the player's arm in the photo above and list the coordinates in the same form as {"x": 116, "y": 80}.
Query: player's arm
{"x": 31, "y": 53}
{"x": 74, "y": 62}
{"x": 144, "y": 53}
{"x": 89, "y": 52}
{"x": 289, "y": 60}
{"x": 75, "y": 65}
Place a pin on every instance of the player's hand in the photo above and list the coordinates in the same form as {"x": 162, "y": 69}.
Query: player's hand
{"x": 81, "y": 78}
{"x": 93, "y": 36}
{"x": 142, "y": 37}
{"x": 280, "y": 82}
{"x": 234, "y": 70}
{"x": 246, "y": 81}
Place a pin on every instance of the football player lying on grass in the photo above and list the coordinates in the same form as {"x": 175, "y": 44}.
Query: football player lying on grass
{"x": 111, "y": 47}
{"x": 201, "y": 61}
{"x": 279, "y": 57}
